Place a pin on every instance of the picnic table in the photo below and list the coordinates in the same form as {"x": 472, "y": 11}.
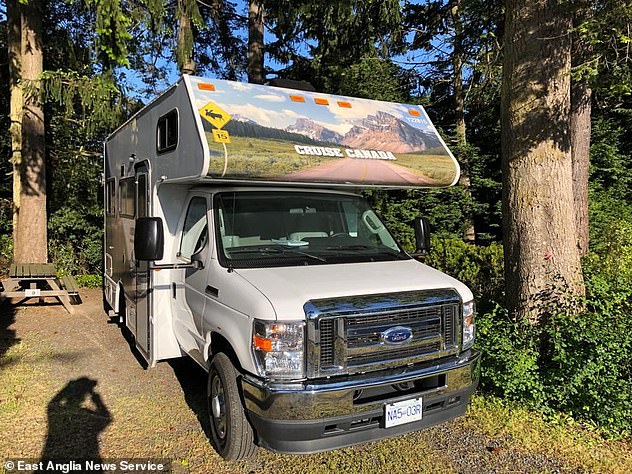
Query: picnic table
{"x": 40, "y": 280}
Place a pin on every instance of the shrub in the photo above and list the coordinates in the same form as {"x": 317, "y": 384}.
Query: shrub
{"x": 89, "y": 281}
{"x": 576, "y": 362}
{"x": 481, "y": 268}
{"x": 75, "y": 241}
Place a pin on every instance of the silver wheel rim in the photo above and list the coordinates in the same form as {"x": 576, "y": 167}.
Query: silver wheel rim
{"x": 218, "y": 407}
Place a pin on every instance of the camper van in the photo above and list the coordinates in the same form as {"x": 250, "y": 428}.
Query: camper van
{"x": 235, "y": 234}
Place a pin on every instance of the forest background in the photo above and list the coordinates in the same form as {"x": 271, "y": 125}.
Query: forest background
{"x": 102, "y": 59}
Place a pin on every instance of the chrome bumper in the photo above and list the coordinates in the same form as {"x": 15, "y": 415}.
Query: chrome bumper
{"x": 317, "y": 400}
{"x": 319, "y": 416}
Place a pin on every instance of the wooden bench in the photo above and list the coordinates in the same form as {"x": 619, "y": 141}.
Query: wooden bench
{"x": 39, "y": 280}
{"x": 70, "y": 285}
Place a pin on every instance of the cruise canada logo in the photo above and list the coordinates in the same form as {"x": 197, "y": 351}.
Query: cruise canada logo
{"x": 397, "y": 335}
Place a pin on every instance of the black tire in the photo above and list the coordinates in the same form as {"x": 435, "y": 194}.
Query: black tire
{"x": 231, "y": 434}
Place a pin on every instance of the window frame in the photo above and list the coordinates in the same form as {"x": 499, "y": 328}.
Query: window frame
{"x": 184, "y": 223}
{"x": 125, "y": 181}
{"x": 163, "y": 120}
{"x": 110, "y": 197}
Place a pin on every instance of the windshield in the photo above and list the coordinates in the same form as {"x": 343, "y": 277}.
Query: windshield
{"x": 264, "y": 229}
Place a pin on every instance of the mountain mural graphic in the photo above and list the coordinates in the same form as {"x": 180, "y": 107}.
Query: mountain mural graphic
{"x": 385, "y": 132}
{"x": 381, "y": 131}
{"x": 311, "y": 129}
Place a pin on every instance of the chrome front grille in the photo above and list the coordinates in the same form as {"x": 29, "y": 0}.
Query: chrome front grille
{"x": 327, "y": 342}
{"x": 346, "y": 335}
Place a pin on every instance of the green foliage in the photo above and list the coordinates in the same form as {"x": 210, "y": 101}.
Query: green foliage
{"x": 479, "y": 267}
{"x": 610, "y": 161}
{"x": 91, "y": 102}
{"x": 6, "y": 229}
{"x": 444, "y": 208}
{"x": 75, "y": 243}
{"x": 374, "y": 78}
{"x": 576, "y": 362}
{"x": 509, "y": 365}
{"x": 338, "y": 34}
{"x": 89, "y": 281}
{"x": 112, "y": 26}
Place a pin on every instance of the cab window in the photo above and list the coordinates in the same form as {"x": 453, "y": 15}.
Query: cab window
{"x": 195, "y": 230}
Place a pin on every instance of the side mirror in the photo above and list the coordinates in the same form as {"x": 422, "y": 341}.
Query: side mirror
{"x": 422, "y": 236}
{"x": 149, "y": 239}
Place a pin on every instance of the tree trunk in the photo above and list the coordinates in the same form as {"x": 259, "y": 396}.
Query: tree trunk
{"x": 256, "y": 73}
{"x": 184, "y": 52}
{"x": 14, "y": 43}
{"x": 540, "y": 239}
{"x": 469, "y": 234}
{"x": 30, "y": 237}
{"x": 581, "y": 96}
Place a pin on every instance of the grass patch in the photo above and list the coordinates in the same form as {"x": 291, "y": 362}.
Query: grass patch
{"x": 527, "y": 430}
{"x": 23, "y": 385}
{"x": 440, "y": 168}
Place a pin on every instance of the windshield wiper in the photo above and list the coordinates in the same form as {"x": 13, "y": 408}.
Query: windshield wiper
{"x": 350, "y": 247}
{"x": 280, "y": 249}
{"x": 367, "y": 250}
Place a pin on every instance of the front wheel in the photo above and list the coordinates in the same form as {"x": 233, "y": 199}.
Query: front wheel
{"x": 231, "y": 434}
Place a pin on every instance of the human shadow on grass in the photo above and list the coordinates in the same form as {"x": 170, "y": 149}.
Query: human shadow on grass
{"x": 76, "y": 417}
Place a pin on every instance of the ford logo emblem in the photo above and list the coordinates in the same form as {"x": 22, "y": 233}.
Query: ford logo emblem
{"x": 397, "y": 335}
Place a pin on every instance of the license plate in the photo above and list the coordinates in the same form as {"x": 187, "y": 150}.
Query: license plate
{"x": 403, "y": 412}
{"x": 32, "y": 292}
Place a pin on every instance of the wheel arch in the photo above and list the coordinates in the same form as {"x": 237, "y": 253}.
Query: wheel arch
{"x": 216, "y": 343}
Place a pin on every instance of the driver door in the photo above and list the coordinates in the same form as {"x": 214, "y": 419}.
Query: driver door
{"x": 194, "y": 244}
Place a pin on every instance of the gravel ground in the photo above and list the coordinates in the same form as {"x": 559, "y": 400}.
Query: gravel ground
{"x": 71, "y": 388}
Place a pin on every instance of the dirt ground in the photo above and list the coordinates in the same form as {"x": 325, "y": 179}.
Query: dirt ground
{"x": 71, "y": 388}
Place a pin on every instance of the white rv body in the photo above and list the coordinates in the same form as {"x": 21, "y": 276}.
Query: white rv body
{"x": 173, "y": 308}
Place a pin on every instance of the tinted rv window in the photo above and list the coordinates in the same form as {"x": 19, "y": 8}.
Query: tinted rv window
{"x": 195, "y": 231}
{"x": 167, "y": 132}
{"x": 127, "y": 190}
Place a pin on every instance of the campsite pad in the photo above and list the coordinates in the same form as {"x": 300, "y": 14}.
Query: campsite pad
{"x": 73, "y": 380}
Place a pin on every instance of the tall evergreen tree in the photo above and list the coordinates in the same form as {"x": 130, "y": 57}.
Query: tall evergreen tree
{"x": 256, "y": 71}
{"x": 30, "y": 237}
{"x": 540, "y": 238}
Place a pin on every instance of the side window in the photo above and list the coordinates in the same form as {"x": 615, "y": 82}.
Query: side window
{"x": 167, "y": 132}
{"x": 141, "y": 187}
{"x": 127, "y": 190}
{"x": 110, "y": 197}
{"x": 195, "y": 231}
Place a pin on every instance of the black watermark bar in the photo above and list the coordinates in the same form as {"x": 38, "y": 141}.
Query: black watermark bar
{"x": 66, "y": 466}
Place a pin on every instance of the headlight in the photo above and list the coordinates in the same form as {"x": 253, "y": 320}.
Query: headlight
{"x": 469, "y": 328}
{"x": 278, "y": 348}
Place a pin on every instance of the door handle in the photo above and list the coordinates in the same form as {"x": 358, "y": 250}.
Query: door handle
{"x": 211, "y": 291}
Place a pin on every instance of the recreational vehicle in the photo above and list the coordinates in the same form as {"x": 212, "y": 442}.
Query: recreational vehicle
{"x": 235, "y": 235}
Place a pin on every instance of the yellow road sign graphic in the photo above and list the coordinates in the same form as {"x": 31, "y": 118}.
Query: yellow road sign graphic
{"x": 215, "y": 115}
{"x": 221, "y": 136}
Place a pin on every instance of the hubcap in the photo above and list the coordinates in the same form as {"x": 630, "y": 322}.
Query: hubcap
{"x": 218, "y": 407}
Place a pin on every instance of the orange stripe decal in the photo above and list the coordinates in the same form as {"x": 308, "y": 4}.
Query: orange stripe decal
{"x": 346, "y": 105}
{"x": 297, "y": 98}
{"x": 321, "y": 101}
{"x": 205, "y": 86}
{"x": 414, "y": 113}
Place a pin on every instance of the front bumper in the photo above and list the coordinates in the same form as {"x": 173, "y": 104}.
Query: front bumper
{"x": 327, "y": 414}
